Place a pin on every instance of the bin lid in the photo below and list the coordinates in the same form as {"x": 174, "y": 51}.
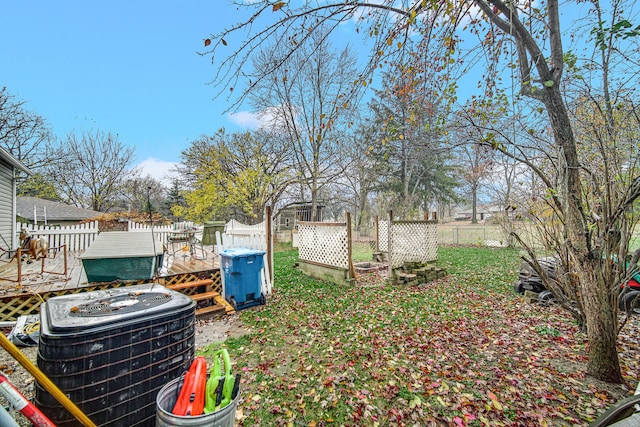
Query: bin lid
{"x": 240, "y": 252}
{"x": 218, "y": 223}
{"x": 123, "y": 244}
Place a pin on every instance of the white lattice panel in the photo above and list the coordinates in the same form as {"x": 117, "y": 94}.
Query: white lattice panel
{"x": 413, "y": 241}
{"x": 383, "y": 236}
{"x": 323, "y": 243}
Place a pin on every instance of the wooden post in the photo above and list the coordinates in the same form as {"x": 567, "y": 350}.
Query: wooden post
{"x": 19, "y": 259}
{"x": 434, "y": 216}
{"x": 269, "y": 241}
{"x": 352, "y": 270}
{"x": 64, "y": 247}
{"x": 377, "y": 234}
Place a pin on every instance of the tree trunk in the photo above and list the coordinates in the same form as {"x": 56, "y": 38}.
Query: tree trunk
{"x": 603, "y": 361}
{"x": 474, "y": 203}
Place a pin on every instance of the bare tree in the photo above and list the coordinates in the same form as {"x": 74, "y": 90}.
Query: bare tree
{"x": 538, "y": 54}
{"x": 476, "y": 164}
{"x": 93, "y": 169}
{"x": 23, "y": 133}
{"x": 139, "y": 194}
{"x": 307, "y": 101}
{"x": 360, "y": 178}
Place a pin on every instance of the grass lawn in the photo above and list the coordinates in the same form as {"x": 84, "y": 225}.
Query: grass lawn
{"x": 462, "y": 351}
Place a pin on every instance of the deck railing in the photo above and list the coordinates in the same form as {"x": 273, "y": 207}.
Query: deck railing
{"x": 79, "y": 237}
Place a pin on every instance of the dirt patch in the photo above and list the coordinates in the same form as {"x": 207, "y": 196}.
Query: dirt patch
{"x": 577, "y": 371}
{"x": 218, "y": 330}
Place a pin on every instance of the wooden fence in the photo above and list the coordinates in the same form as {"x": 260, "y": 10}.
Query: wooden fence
{"x": 80, "y": 236}
{"x": 238, "y": 235}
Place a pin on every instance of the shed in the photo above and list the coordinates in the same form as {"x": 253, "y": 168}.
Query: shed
{"x": 10, "y": 169}
{"x": 289, "y": 216}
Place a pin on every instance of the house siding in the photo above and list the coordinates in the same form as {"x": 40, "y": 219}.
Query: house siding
{"x": 6, "y": 205}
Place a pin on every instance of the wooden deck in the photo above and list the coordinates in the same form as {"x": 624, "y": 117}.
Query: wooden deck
{"x": 58, "y": 275}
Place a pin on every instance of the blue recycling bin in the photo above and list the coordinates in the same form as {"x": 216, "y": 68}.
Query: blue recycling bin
{"x": 241, "y": 270}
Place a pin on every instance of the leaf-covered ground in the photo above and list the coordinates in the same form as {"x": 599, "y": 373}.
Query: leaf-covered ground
{"x": 462, "y": 351}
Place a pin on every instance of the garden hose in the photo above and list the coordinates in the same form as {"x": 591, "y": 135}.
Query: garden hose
{"x": 45, "y": 382}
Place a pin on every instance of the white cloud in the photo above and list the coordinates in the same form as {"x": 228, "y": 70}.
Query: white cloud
{"x": 264, "y": 119}
{"x": 158, "y": 169}
{"x": 245, "y": 119}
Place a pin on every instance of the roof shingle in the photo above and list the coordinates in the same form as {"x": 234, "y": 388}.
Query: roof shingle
{"x": 55, "y": 211}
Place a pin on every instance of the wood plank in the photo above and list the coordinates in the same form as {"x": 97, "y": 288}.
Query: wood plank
{"x": 221, "y": 301}
{"x": 36, "y": 286}
{"x": 187, "y": 285}
{"x": 210, "y": 311}
{"x": 204, "y": 295}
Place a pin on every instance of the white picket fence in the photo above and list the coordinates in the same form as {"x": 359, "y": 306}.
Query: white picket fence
{"x": 161, "y": 232}
{"x": 80, "y": 236}
{"x": 76, "y": 237}
{"x": 238, "y": 235}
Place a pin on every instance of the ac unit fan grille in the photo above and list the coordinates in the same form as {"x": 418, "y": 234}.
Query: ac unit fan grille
{"x": 121, "y": 304}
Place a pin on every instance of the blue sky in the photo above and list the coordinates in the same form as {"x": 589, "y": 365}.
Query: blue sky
{"x": 126, "y": 67}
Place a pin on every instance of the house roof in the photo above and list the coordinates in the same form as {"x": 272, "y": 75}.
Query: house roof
{"x": 52, "y": 211}
{"x": 7, "y": 157}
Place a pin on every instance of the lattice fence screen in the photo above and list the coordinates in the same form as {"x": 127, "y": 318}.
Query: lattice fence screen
{"x": 383, "y": 236}
{"x": 12, "y": 307}
{"x": 323, "y": 243}
{"x": 413, "y": 241}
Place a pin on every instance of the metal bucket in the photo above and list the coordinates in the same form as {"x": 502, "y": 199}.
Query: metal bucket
{"x": 166, "y": 398}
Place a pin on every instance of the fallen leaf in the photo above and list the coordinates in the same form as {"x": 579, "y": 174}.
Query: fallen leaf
{"x": 494, "y": 401}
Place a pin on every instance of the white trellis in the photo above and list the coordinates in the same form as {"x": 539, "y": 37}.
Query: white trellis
{"x": 407, "y": 241}
{"x": 324, "y": 250}
{"x": 382, "y": 236}
{"x": 324, "y": 243}
{"x": 412, "y": 241}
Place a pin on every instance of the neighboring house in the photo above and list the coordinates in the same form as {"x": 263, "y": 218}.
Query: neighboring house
{"x": 10, "y": 168}
{"x": 34, "y": 210}
{"x": 288, "y": 217}
{"x": 483, "y": 212}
